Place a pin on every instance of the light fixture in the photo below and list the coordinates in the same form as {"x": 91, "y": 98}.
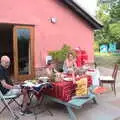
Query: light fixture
{"x": 53, "y": 20}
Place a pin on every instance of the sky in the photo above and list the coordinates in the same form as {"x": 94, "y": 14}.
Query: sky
{"x": 89, "y": 5}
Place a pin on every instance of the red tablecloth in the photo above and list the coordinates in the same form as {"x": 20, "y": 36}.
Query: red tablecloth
{"x": 64, "y": 90}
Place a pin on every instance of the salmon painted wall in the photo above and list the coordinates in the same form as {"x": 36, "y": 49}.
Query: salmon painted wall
{"x": 69, "y": 29}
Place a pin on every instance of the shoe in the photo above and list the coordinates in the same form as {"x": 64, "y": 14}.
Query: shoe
{"x": 26, "y": 111}
{"x": 21, "y": 105}
{"x": 27, "y": 104}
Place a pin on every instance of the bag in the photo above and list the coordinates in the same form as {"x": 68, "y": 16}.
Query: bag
{"x": 81, "y": 89}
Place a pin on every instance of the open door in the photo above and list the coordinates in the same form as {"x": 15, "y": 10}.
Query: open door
{"x": 23, "y": 54}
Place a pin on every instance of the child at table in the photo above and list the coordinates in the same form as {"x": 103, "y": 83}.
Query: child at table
{"x": 50, "y": 70}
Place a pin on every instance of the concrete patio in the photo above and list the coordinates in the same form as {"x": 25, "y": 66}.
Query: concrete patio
{"x": 107, "y": 107}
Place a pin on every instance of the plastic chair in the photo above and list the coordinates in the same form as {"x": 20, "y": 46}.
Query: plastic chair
{"x": 110, "y": 79}
{"x": 7, "y": 100}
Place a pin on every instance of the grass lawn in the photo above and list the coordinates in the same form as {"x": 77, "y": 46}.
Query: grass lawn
{"x": 107, "y": 59}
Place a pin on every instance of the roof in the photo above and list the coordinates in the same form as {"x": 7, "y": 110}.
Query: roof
{"x": 92, "y": 21}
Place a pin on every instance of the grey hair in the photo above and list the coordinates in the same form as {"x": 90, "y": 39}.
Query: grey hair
{"x": 5, "y": 58}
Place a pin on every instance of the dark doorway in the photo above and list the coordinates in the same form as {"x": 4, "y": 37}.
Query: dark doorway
{"x": 6, "y": 43}
{"x": 17, "y": 42}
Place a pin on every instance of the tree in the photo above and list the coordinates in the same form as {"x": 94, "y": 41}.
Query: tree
{"x": 109, "y": 14}
{"x": 115, "y": 21}
{"x": 115, "y": 11}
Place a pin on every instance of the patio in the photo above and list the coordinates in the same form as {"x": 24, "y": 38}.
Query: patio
{"x": 108, "y": 108}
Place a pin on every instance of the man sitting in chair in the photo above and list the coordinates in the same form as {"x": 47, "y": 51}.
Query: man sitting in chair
{"x": 7, "y": 88}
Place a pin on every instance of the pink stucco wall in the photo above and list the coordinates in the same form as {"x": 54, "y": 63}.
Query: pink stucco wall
{"x": 69, "y": 29}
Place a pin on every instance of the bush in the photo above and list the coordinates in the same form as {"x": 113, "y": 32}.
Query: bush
{"x": 96, "y": 46}
{"x": 60, "y": 55}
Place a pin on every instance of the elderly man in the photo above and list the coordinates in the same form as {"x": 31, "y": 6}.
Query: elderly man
{"x": 7, "y": 87}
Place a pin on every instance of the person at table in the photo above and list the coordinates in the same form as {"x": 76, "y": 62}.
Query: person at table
{"x": 70, "y": 65}
{"x": 6, "y": 85}
{"x": 50, "y": 69}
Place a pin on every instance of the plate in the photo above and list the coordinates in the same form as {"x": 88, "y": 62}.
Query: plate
{"x": 68, "y": 79}
{"x": 28, "y": 84}
{"x": 43, "y": 78}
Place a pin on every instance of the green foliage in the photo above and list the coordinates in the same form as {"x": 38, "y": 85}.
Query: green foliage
{"x": 115, "y": 11}
{"x": 60, "y": 55}
{"x": 96, "y": 46}
{"x": 102, "y": 36}
{"x": 103, "y": 13}
{"x": 109, "y": 14}
{"x": 115, "y": 31}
